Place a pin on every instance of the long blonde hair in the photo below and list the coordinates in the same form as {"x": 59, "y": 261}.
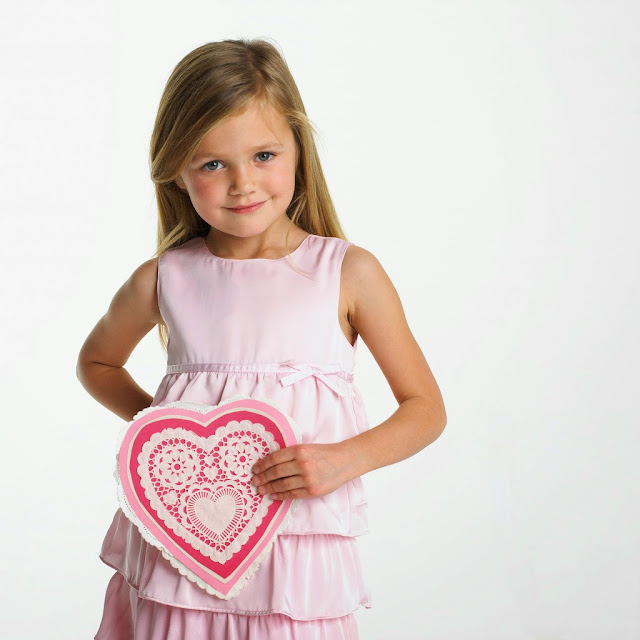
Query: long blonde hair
{"x": 212, "y": 83}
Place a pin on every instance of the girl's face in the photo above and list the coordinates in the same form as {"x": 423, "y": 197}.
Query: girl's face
{"x": 247, "y": 159}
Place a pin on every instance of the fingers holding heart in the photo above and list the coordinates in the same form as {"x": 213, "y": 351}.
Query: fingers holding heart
{"x": 302, "y": 471}
{"x": 279, "y": 478}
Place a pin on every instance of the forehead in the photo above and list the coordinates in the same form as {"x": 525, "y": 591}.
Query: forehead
{"x": 258, "y": 122}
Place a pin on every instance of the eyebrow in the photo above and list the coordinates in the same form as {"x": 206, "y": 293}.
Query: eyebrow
{"x": 266, "y": 145}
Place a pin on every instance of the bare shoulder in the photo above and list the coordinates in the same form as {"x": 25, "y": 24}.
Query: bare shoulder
{"x": 139, "y": 293}
{"x": 366, "y": 283}
{"x": 358, "y": 262}
{"x": 143, "y": 285}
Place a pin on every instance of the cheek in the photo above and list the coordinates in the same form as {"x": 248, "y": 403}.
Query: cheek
{"x": 204, "y": 190}
{"x": 285, "y": 182}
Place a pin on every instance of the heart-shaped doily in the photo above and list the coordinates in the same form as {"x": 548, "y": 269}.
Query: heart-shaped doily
{"x": 184, "y": 479}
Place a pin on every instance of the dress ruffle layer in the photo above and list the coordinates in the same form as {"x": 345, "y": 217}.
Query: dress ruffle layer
{"x": 129, "y": 617}
{"x": 305, "y": 577}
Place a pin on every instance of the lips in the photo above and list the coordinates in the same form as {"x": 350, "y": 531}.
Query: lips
{"x": 247, "y": 209}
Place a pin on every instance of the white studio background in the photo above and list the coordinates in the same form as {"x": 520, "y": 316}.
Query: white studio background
{"x": 488, "y": 154}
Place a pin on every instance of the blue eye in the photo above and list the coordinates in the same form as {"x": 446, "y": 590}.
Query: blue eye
{"x": 207, "y": 167}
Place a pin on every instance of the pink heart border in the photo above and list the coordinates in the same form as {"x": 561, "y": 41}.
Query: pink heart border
{"x": 290, "y": 434}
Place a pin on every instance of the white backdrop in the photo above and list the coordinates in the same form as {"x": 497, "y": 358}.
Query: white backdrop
{"x": 488, "y": 154}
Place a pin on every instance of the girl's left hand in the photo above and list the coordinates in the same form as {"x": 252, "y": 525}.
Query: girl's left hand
{"x": 302, "y": 471}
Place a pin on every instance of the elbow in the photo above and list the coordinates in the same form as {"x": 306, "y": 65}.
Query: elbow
{"x": 82, "y": 365}
{"x": 443, "y": 420}
{"x": 80, "y": 370}
{"x": 434, "y": 417}
{"x": 434, "y": 412}
{"x": 439, "y": 420}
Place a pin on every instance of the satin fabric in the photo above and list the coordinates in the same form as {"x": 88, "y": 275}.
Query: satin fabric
{"x": 292, "y": 580}
{"x": 265, "y": 329}
{"x": 127, "y": 616}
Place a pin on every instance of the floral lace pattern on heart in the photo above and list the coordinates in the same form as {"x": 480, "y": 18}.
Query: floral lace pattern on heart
{"x": 201, "y": 487}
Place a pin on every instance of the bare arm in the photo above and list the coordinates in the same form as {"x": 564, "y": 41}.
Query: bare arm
{"x": 133, "y": 312}
{"x": 377, "y": 315}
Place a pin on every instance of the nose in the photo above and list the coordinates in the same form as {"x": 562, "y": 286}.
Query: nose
{"x": 242, "y": 181}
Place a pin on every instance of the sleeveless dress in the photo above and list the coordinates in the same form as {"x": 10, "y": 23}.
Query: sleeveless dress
{"x": 267, "y": 328}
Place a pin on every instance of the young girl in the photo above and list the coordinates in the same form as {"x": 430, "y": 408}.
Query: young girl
{"x": 257, "y": 292}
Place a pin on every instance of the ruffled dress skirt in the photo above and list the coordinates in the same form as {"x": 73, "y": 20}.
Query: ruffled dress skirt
{"x": 147, "y": 599}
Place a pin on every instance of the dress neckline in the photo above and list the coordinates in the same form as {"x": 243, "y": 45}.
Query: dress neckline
{"x": 203, "y": 242}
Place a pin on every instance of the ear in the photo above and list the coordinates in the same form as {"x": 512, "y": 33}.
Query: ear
{"x": 180, "y": 182}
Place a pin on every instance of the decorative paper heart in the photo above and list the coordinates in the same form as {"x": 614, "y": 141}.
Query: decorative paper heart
{"x": 184, "y": 479}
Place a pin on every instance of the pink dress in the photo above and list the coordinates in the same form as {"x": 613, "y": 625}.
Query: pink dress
{"x": 269, "y": 329}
